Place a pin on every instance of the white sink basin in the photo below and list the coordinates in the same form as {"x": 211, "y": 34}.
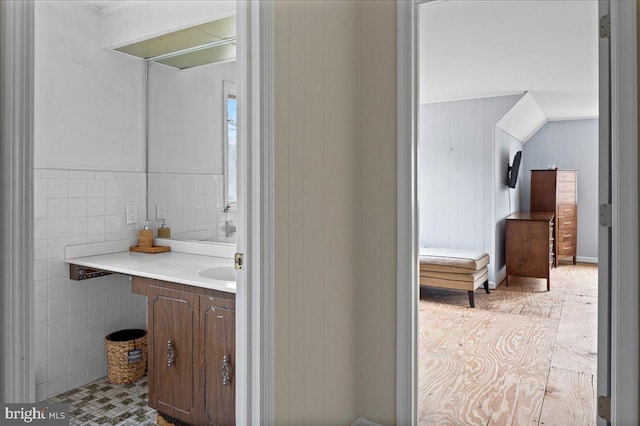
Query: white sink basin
{"x": 220, "y": 273}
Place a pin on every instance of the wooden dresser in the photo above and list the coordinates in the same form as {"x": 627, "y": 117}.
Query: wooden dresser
{"x": 556, "y": 191}
{"x": 530, "y": 245}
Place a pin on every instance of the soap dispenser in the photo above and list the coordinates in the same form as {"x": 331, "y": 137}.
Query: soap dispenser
{"x": 164, "y": 232}
{"x": 145, "y": 236}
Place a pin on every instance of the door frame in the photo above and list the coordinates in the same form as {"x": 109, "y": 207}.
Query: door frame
{"x": 255, "y": 235}
{"x": 17, "y": 377}
{"x": 254, "y": 400}
{"x": 624, "y": 140}
{"x": 623, "y": 303}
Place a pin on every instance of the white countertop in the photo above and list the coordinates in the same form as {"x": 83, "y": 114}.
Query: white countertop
{"x": 176, "y": 267}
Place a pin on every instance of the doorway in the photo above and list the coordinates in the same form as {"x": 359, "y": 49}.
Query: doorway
{"x": 622, "y": 17}
{"x": 509, "y": 362}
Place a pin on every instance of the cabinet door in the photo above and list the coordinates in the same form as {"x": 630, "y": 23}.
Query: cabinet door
{"x": 173, "y": 384}
{"x": 219, "y": 356}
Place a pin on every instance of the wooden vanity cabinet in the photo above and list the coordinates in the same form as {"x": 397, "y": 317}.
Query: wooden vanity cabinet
{"x": 173, "y": 353}
{"x": 218, "y": 354}
{"x": 191, "y": 332}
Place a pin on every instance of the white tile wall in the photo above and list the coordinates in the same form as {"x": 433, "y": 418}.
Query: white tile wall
{"x": 72, "y": 317}
{"x": 194, "y": 202}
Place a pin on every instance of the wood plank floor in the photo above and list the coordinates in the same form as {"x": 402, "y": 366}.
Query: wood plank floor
{"x": 523, "y": 356}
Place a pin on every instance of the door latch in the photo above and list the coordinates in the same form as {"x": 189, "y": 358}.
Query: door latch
{"x": 239, "y": 261}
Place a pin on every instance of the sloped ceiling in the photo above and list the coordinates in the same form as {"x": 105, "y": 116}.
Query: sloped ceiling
{"x": 475, "y": 49}
{"x": 524, "y": 119}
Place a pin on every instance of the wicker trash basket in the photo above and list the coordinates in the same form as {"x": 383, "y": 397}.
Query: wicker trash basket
{"x": 126, "y": 355}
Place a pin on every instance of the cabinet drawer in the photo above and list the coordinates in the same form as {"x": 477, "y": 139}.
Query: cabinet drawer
{"x": 566, "y": 210}
{"x": 566, "y": 198}
{"x": 567, "y": 177}
{"x": 566, "y": 247}
{"x": 567, "y": 186}
{"x": 567, "y": 223}
{"x": 566, "y": 235}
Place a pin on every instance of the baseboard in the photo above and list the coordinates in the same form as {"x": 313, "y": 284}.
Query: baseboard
{"x": 364, "y": 422}
{"x": 500, "y": 276}
{"x": 583, "y": 259}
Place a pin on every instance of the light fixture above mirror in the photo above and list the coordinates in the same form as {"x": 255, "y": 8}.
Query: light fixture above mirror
{"x": 207, "y": 43}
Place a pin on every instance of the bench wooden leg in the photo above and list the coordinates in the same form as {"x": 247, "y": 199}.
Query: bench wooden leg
{"x": 486, "y": 286}
{"x": 472, "y": 301}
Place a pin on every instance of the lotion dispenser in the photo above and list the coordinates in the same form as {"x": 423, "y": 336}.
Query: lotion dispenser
{"x": 145, "y": 236}
{"x": 164, "y": 232}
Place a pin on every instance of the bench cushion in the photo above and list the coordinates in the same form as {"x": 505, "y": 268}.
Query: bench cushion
{"x": 467, "y": 281}
{"x": 452, "y": 260}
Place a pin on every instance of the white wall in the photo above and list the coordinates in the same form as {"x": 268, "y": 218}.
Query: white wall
{"x": 507, "y": 200}
{"x": 89, "y": 102}
{"x": 72, "y": 317}
{"x": 90, "y": 163}
{"x": 461, "y": 168}
{"x": 569, "y": 145}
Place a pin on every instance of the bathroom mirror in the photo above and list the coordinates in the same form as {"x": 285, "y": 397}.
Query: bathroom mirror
{"x": 191, "y": 142}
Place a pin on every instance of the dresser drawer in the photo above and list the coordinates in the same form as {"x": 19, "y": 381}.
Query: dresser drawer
{"x": 566, "y": 235}
{"x": 567, "y": 186}
{"x": 567, "y": 210}
{"x": 567, "y": 223}
{"x": 564, "y": 176}
{"x": 566, "y": 247}
{"x": 566, "y": 198}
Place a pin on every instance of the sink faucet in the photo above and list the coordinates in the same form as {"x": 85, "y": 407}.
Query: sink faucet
{"x": 228, "y": 228}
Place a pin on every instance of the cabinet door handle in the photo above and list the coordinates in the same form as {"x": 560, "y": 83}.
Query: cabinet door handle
{"x": 226, "y": 370}
{"x": 171, "y": 353}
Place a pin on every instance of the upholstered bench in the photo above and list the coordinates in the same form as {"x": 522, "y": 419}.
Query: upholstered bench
{"x": 454, "y": 269}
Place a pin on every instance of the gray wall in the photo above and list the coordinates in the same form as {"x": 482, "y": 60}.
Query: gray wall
{"x": 569, "y": 145}
{"x": 462, "y": 160}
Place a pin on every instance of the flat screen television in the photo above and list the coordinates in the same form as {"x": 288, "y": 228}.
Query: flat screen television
{"x": 512, "y": 171}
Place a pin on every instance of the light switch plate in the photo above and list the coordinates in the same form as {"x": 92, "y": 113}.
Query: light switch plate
{"x": 132, "y": 214}
{"x": 161, "y": 211}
